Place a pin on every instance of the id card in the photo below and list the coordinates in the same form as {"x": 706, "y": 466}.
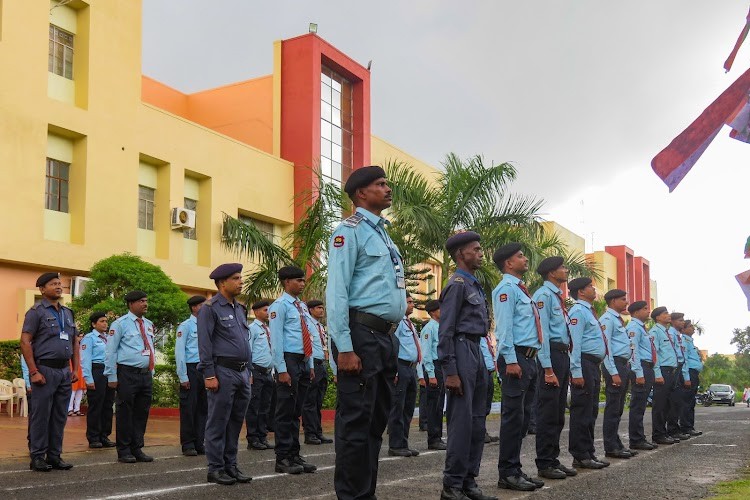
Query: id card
{"x": 64, "y": 336}
{"x": 146, "y": 352}
{"x": 400, "y": 282}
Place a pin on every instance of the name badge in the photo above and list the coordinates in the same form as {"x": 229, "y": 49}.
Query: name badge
{"x": 64, "y": 336}
{"x": 400, "y": 282}
{"x": 146, "y": 352}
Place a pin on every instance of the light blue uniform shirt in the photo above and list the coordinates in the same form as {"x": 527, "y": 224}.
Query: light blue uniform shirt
{"x": 125, "y": 345}
{"x": 429, "y": 347}
{"x": 361, "y": 276}
{"x": 286, "y": 329}
{"x": 515, "y": 323}
{"x": 25, "y": 372}
{"x": 694, "y": 361}
{"x": 642, "y": 346}
{"x": 587, "y": 336}
{"x": 665, "y": 353}
{"x": 318, "y": 349}
{"x": 260, "y": 341}
{"x": 93, "y": 350}
{"x": 406, "y": 337}
{"x": 489, "y": 363}
{"x": 677, "y": 339}
{"x": 617, "y": 339}
{"x": 186, "y": 346}
{"x": 554, "y": 325}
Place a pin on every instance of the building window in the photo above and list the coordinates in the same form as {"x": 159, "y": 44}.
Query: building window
{"x": 267, "y": 228}
{"x": 189, "y": 232}
{"x": 60, "y": 60}
{"x": 146, "y": 207}
{"x": 336, "y": 135}
{"x": 56, "y": 190}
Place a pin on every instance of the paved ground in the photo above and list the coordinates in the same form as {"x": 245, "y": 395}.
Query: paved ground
{"x": 681, "y": 471}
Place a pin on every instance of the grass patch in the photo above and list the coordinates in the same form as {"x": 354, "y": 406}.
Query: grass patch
{"x": 734, "y": 490}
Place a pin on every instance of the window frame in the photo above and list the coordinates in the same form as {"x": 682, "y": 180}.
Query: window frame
{"x": 57, "y": 201}
{"x": 61, "y": 52}
{"x": 146, "y": 207}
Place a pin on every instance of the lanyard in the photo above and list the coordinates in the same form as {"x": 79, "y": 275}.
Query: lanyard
{"x": 60, "y": 316}
{"x": 389, "y": 245}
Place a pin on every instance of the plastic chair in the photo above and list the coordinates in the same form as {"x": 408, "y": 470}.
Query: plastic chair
{"x": 7, "y": 395}
{"x": 21, "y": 399}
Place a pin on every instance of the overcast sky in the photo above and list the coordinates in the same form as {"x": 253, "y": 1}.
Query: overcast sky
{"x": 578, "y": 95}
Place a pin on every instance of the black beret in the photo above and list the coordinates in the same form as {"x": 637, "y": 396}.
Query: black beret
{"x": 46, "y": 278}
{"x": 96, "y": 316}
{"x": 225, "y": 270}
{"x": 195, "y": 300}
{"x": 458, "y": 240}
{"x": 688, "y": 322}
{"x": 135, "y": 295}
{"x": 362, "y": 177}
{"x": 549, "y": 264}
{"x": 290, "y": 272}
{"x": 637, "y": 306}
{"x": 314, "y": 303}
{"x": 261, "y": 304}
{"x": 614, "y": 294}
{"x": 676, "y": 315}
{"x": 656, "y": 312}
{"x": 432, "y": 305}
{"x": 504, "y": 253}
{"x": 578, "y": 284}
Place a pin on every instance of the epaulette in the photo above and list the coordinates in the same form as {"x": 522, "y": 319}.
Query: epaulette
{"x": 458, "y": 279}
{"x": 353, "y": 219}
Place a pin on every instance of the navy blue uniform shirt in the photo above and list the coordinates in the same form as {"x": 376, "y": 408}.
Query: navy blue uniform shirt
{"x": 52, "y": 330}
{"x": 222, "y": 332}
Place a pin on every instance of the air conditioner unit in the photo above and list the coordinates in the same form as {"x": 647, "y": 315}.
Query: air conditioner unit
{"x": 183, "y": 218}
{"x": 78, "y": 285}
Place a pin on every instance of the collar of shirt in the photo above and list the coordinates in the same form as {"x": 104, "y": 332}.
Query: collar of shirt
{"x": 289, "y": 298}
{"x": 638, "y": 322}
{"x": 47, "y": 303}
{"x": 132, "y": 317}
{"x": 586, "y": 305}
{"x": 613, "y": 313}
{"x": 552, "y": 287}
{"x": 511, "y": 279}
{"x": 674, "y": 331}
{"x": 193, "y": 319}
{"x": 662, "y": 328}
{"x": 375, "y": 219}
{"x": 469, "y": 276}
{"x": 259, "y": 323}
{"x": 223, "y": 300}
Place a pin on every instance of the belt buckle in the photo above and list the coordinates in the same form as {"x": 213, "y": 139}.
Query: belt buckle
{"x": 243, "y": 365}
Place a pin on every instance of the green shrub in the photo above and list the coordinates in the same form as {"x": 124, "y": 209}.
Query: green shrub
{"x": 10, "y": 359}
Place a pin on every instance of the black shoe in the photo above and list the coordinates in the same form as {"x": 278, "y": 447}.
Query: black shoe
{"x": 107, "y": 443}
{"x": 681, "y": 436}
{"x": 476, "y": 494}
{"x": 588, "y": 464}
{"x": 552, "y": 473}
{"x": 220, "y": 477}
{"x": 422, "y": 429}
{"x": 517, "y": 483}
{"x": 399, "y": 452}
{"x": 632, "y": 452}
{"x": 312, "y": 440}
{"x": 307, "y": 467}
{"x": 127, "y": 459}
{"x": 694, "y": 433}
{"x": 200, "y": 451}
{"x": 487, "y": 438}
{"x": 437, "y": 445}
{"x": 269, "y": 446}
{"x": 644, "y": 445}
{"x": 452, "y": 494}
{"x": 96, "y": 445}
{"x": 190, "y": 452}
{"x": 665, "y": 440}
{"x": 142, "y": 457}
{"x": 536, "y": 482}
{"x": 237, "y": 475}
{"x": 601, "y": 461}
{"x": 618, "y": 454}
{"x": 38, "y": 464}
{"x": 59, "y": 464}
{"x": 494, "y": 439}
{"x": 325, "y": 440}
{"x": 414, "y": 453}
{"x": 288, "y": 466}
{"x": 567, "y": 470}
{"x": 531, "y": 431}
{"x": 256, "y": 445}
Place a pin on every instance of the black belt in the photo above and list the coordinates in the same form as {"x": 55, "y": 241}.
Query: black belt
{"x": 472, "y": 336}
{"x": 526, "y": 352}
{"x": 318, "y": 361}
{"x": 559, "y": 346}
{"x": 371, "y": 321}
{"x": 261, "y": 369}
{"x": 133, "y": 369}
{"x": 624, "y": 359}
{"x": 232, "y": 363}
{"x": 647, "y": 363}
{"x": 97, "y": 366}
{"x": 295, "y": 356}
{"x": 410, "y": 364}
{"x": 668, "y": 369}
{"x": 591, "y": 357}
{"x": 53, "y": 363}
{"x": 191, "y": 365}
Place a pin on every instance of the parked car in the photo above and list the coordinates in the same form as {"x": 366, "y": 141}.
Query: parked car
{"x": 721, "y": 394}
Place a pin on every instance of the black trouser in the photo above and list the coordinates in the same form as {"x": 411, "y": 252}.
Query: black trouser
{"x": 193, "y": 411}
{"x": 517, "y": 400}
{"x": 435, "y": 401}
{"x": 362, "y": 408}
{"x": 551, "y": 411}
{"x": 101, "y": 399}
{"x": 615, "y": 405}
{"x": 687, "y": 419}
{"x": 226, "y": 412}
{"x": 257, "y": 415}
{"x": 676, "y": 402}
{"x": 311, "y": 416}
{"x": 49, "y": 413}
{"x": 289, "y": 401}
{"x": 662, "y": 402}
{"x": 466, "y": 416}
{"x": 533, "y": 413}
{"x": 584, "y": 408}
{"x": 423, "y": 403}
{"x": 638, "y": 402}
{"x": 402, "y": 408}
{"x": 133, "y": 402}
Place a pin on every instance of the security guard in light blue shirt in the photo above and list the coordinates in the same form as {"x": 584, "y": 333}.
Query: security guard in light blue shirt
{"x": 99, "y": 395}
{"x": 312, "y": 417}
{"x": 695, "y": 366}
{"x": 643, "y": 364}
{"x": 193, "y": 400}
{"x": 663, "y": 393}
{"x": 432, "y": 371}
{"x": 260, "y": 338}
{"x": 682, "y": 380}
{"x": 515, "y": 323}
{"x": 263, "y": 386}
{"x": 429, "y": 336}
{"x": 286, "y": 330}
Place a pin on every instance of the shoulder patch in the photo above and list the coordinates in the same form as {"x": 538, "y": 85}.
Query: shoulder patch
{"x": 631, "y": 334}
{"x": 273, "y": 315}
{"x": 503, "y": 297}
{"x": 83, "y": 347}
{"x": 111, "y": 332}
{"x": 540, "y": 304}
{"x": 426, "y": 336}
{"x": 338, "y": 241}
{"x": 604, "y": 328}
{"x": 179, "y": 334}
{"x": 573, "y": 321}
{"x": 458, "y": 279}
{"x": 353, "y": 219}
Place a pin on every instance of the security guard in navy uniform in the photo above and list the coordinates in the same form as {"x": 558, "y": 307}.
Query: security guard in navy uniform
{"x": 518, "y": 330}
{"x": 193, "y": 402}
{"x": 616, "y": 372}
{"x": 49, "y": 340}
{"x": 365, "y": 298}
{"x": 553, "y": 364}
{"x": 643, "y": 365}
{"x": 129, "y": 367}
{"x": 225, "y": 355}
{"x": 99, "y": 395}
{"x": 589, "y": 350}
{"x": 464, "y": 320}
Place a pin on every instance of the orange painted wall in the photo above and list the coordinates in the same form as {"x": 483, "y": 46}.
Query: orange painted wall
{"x": 164, "y": 97}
